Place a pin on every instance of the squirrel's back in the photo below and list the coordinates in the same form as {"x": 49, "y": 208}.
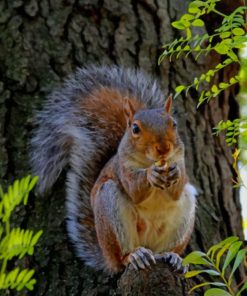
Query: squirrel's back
{"x": 80, "y": 127}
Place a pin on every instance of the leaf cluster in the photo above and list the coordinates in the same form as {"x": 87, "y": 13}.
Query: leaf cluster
{"x": 232, "y": 129}
{"x": 16, "y": 242}
{"x": 220, "y": 262}
{"x": 225, "y": 40}
{"x": 235, "y": 133}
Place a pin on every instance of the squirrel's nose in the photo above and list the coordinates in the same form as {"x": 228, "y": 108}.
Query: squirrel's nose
{"x": 158, "y": 148}
{"x": 162, "y": 149}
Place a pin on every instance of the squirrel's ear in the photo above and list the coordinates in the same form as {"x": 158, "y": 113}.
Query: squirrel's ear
{"x": 129, "y": 111}
{"x": 168, "y": 105}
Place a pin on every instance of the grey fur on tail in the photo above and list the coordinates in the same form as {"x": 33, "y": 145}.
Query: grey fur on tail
{"x": 65, "y": 137}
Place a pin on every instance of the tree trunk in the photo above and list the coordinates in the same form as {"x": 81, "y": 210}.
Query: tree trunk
{"x": 43, "y": 41}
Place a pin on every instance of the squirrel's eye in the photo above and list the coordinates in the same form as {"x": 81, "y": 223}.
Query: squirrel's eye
{"x": 135, "y": 129}
{"x": 174, "y": 123}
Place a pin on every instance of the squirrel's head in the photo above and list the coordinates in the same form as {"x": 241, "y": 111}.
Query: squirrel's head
{"x": 152, "y": 132}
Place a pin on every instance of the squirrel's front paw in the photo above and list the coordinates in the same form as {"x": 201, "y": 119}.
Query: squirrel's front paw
{"x": 173, "y": 175}
{"x": 156, "y": 177}
{"x": 162, "y": 177}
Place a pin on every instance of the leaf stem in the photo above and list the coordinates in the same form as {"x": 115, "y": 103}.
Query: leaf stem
{"x": 220, "y": 13}
{"x": 225, "y": 281}
{"x": 222, "y": 276}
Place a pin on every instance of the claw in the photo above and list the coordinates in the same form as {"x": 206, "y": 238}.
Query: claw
{"x": 132, "y": 262}
{"x": 149, "y": 255}
{"x": 138, "y": 260}
{"x": 175, "y": 261}
{"x": 173, "y": 173}
{"x": 141, "y": 258}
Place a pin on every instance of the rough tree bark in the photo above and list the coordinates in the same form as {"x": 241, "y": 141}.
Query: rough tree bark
{"x": 41, "y": 42}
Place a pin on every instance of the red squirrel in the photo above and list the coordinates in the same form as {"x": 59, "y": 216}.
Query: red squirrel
{"x": 128, "y": 195}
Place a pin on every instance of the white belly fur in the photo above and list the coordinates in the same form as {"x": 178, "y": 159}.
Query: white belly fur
{"x": 166, "y": 222}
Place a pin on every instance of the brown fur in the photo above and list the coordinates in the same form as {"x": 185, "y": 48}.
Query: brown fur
{"x": 109, "y": 244}
{"x": 141, "y": 225}
{"x": 106, "y": 108}
{"x": 175, "y": 191}
{"x": 103, "y": 177}
{"x": 127, "y": 173}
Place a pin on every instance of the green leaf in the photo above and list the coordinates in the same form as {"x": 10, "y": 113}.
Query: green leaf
{"x": 36, "y": 238}
{"x": 196, "y": 80}
{"x": 28, "y": 276}
{"x": 196, "y": 257}
{"x": 178, "y": 25}
{"x": 223, "y": 85}
{"x": 30, "y": 284}
{"x": 210, "y": 72}
{"x": 231, "y": 239}
{"x": 187, "y": 17}
{"x": 33, "y": 183}
{"x": 216, "y": 292}
{"x": 197, "y": 48}
{"x": 214, "y": 88}
{"x": 225, "y": 34}
{"x": 26, "y": 181}
{"x": 232, "y": 55}
{"x": 201, "y": 98}
{"x": 202, "y": 77}
{"x": 180, "y": 88}
{"x": 239, "y": 259}
{"x": 198, "y": 23}
{"x": 11, "y": 278}
{"x": 220, "y": 253}
{"x": 192, "y": 273}
{"x": 194, "y": 9}
{"x": 221, "y": 48}
{"x": 233, "y": 80}
{"x": 219, "y": 66}
{"x": 187, "y": 48}
{"x": 238, "y": 31}
{"x": 19, "y": 279}
{"x": 233, "y": 250}
{"x": 199, "y": 286}
{"x": 198, "y": 3}
{"x": 206, "y": 284}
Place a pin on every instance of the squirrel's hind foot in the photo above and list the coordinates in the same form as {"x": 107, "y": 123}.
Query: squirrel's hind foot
{"x": 174, "y": 261}
{"x": 141, "y": 258}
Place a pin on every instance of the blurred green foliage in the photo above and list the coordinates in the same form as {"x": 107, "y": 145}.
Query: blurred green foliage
{"x": 15, "y": 242}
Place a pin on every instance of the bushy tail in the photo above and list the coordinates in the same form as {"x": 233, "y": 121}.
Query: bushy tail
{"x": 70, "y": 134}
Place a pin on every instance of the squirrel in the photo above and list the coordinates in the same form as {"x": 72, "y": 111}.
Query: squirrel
{"x": 128, "y": 198}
